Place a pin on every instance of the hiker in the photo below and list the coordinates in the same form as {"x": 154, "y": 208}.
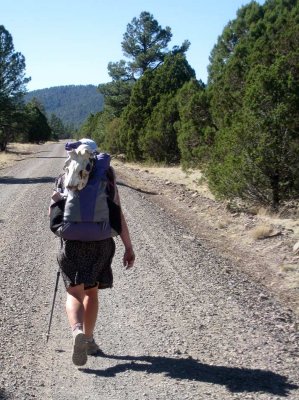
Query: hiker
{"x": 87, "y": 248}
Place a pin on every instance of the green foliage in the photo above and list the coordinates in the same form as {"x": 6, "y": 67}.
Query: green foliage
{"x": 147, "y": 93}
{"x": 159, "y": 142}
{"x": 112, "y": 138}
{"x": 71, "y": 104}
{"x": 145, "y": 42}
{"x": 117, "y": 95}
{"x": 102, "y": 127}
{"x": 145, "y": 45}
{"x": 11, "y": 125}
{"x": 226, "y": 172}
{"x": 12, "y": 69}
{"x": 229, "y": 63}
{"x": 271, "y": 120}
{"x": 12, "y": 88}
{"x": 38, "y": 129}
{"x": 135, "y": 116}
{"x": 195, "y": 128}
{"x": 59, "y": 130}
{"x": 93, "y": 128}
{"x": 171, "y": 75}
{"x": 255, "y": 95}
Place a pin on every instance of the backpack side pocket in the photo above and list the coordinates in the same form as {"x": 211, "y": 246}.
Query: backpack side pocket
{"x": 56, "y": 215}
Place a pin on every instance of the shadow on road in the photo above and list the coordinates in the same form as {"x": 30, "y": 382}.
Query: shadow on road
{"x": 26, "y": 158}
{"x": 10, "y": 180}
{"x": 4, "y": 395}
{"x": 235, "y": 379}
{"x": 48, "y": 157}
{"x": 120, "y": 183}
{"x": 46, "y": 179}
{"x": 24, "y": 153}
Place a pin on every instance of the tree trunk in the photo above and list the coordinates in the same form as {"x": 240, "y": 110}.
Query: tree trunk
{"x": 3, "y": 146}
{"x": 275, "y": 191}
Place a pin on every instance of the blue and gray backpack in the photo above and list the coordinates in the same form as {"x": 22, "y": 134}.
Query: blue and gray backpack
{"x": 89, "y": 214}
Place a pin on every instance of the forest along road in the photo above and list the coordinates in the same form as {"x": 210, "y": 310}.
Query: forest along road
{"x": 181, "y": 325}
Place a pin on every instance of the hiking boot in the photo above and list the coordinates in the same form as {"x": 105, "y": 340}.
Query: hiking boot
{"x": 93, "y": 349}
{"x": 79, "y": 356}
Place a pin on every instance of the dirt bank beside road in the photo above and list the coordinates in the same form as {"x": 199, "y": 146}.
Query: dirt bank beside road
{"x": 269, "y": 260}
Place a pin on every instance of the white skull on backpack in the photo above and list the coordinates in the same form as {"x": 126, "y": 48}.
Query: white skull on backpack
{"x": 78, "y": 167}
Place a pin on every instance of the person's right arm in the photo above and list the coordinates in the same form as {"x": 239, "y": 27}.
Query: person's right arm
{"x": 129, "y": 255}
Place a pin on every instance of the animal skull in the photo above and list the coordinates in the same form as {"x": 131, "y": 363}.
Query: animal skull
{"x": 78, "y": 167}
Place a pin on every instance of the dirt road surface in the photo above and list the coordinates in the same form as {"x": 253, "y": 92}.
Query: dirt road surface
{"x": 183, "y": 324}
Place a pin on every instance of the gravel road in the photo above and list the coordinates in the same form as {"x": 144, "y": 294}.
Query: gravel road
{"x": 183, "y": 324}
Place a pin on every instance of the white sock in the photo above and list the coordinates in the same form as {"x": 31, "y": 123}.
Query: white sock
{"x": 77, "y": 328}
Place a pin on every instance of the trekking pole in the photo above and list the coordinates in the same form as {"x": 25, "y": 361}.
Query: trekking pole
{"x": 55, "y": 291}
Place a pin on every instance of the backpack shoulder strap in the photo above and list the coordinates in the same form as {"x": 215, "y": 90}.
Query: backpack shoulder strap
{"x": 59, "y": 183}
{"x": 103, "y": 160}
{"x": 111, "y": 184}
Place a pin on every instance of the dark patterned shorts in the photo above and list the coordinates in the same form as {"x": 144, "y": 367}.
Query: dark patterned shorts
{"x": 87, "y": 262}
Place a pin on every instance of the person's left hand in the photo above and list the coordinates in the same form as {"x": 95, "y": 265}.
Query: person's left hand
{"x": 129, "y": 258}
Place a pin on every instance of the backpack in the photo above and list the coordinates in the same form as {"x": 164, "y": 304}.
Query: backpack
{"x": 89, "y": 214}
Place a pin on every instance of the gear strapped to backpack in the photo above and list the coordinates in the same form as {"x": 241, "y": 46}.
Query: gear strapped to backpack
{"x": 82, "y": 206}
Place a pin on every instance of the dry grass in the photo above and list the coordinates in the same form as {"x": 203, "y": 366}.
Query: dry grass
{"x": 264, "y": 212}
{"x": 289, "y": 268}
{"x": 15, "y": 152}
{"x": 224, "y": 222}
{"x": 262, "y": 232}
{"x": 290, "y": 273}
{"x": 192, "y": 179}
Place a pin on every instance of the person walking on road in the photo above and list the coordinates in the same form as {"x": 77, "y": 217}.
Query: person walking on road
{"x": 85, "y": 256}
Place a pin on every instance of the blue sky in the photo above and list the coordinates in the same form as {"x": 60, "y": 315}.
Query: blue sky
{"x": 72, "y": 41}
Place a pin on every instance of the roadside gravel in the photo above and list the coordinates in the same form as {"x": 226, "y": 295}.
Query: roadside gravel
{"x": 183, "y": 324}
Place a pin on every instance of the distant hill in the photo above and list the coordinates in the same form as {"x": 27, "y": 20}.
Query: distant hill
{"x": 72, "y": 103}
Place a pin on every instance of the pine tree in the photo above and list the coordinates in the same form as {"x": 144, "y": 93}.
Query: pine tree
{"x": 12, "y": 87}
{"x": 148, "y": 91}
{"x": 195, "y": 129}
{"x": 255, "y": 96}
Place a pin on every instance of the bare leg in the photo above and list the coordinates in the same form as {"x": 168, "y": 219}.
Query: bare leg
{"x": 74, "y": 305}
{"x": 75, "y": 313}
{"x": 91, "y": 307}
